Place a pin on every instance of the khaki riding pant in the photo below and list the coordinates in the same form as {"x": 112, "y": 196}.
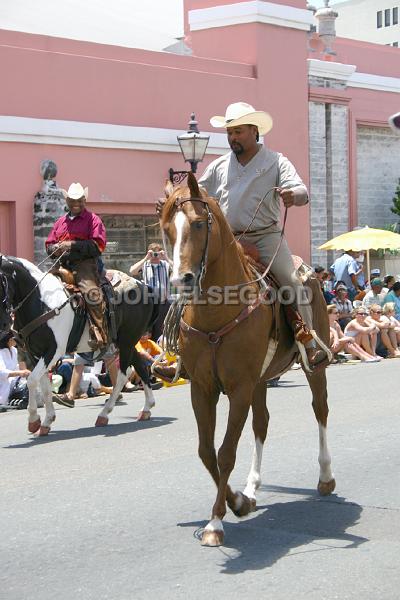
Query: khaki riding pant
{"x": 267, "y": 241}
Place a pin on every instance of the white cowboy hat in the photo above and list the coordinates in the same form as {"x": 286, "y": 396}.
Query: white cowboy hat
{"x": 394, "y": 122}
{"x": 241, "y": 113}
{"x": 76, "y": 191}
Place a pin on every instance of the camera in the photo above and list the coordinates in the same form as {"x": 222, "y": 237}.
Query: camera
{"x": 155, "y": 254}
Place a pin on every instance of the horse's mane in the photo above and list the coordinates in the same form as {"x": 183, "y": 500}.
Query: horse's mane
{"x": 185, "y": 192}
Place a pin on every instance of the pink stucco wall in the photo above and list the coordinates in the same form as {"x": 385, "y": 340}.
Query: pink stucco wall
{"x": 64, "y": 79}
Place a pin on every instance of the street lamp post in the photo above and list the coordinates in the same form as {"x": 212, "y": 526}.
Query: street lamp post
{"x": 193, "y": 146}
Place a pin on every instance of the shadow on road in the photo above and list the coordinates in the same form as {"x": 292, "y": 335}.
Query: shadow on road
{"x": 87, "y": 432}
{"x": 282, "y": 529}
{"x": 287, "y": 383}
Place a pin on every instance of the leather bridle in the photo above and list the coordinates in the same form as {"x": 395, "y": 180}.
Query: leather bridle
{"x": 179, "y": 202}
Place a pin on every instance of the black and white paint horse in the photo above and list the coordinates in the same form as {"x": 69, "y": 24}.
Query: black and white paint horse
{"x": 29, "y": 293}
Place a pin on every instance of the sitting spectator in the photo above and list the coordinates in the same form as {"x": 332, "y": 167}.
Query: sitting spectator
{"x": 90, "y": 384}
{"x": 364, "y": 333}
{"x": 339, "y": 341}
{"x": 388, "y": 313}
{"x": 394, "y": 296}
{"x": 322, "y": 277}
{"x": 343, "y": 305}
{"x": 64, "y": 369}
{"x": 388, "y": 283}
{"x": 374, "y": 274}
{"x": 149, "y": 351}
{"x": 80, "y": 361}
{"x": 384, "y": 340}
{"x": 10, "y": 372}
{"x": 375, "y": 294}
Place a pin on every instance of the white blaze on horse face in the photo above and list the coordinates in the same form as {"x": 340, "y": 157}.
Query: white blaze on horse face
{"x": 180, "y": 221}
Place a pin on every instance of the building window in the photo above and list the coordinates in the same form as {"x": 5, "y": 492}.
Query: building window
{"x": 395, "y": 44}
{"x": 379, "y": 19}
{"x": 387, "y": 17}
{"x": 395, "y": 16}
{"x": 128, "y": 237}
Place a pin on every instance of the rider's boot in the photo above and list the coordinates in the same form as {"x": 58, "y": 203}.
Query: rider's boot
{"x": 315, "y": 356}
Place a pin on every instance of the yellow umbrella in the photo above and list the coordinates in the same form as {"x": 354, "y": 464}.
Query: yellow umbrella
{"x": 365, "y": 238}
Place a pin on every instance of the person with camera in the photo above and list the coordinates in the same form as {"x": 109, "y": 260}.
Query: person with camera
{"x": 154, "y": 269}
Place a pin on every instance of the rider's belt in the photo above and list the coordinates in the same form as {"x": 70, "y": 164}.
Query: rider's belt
{"x": 257, "y": 231}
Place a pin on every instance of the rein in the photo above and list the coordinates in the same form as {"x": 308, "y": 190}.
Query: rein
{"x": 4, "y": 285}
{"x": 20, "y": 304}
{"x": 203, "y": 265}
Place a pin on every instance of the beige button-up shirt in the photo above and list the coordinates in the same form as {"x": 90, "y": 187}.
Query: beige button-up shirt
{"x": 239, "y": 189}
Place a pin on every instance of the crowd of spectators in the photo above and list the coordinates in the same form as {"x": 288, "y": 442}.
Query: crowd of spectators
{"x": 364, "y": 311}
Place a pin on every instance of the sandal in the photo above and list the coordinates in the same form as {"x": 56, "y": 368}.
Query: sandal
{"x": 64, "y": 400}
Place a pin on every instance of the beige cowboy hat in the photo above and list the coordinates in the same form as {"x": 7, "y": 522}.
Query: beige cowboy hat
{"x": 241, "y": 113}
{"x": 76, "y": 191}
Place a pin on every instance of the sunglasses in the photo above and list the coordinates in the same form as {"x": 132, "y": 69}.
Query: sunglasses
{"x": 377, "y": 312}
{"x": 362, "y": 314}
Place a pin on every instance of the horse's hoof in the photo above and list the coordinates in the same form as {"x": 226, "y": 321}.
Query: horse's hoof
{"x": 34, "y": 426}
{"x": 212, "y": 538}
{"x": 101, "y": 422}
{"x": 144, "y": 415}
{"x": 326, "y": 488}
{"x": 44, "y": 431}
{"x": 243, "y": 505}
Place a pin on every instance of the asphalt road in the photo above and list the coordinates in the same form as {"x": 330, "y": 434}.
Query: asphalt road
{"x": 116, "y": 513}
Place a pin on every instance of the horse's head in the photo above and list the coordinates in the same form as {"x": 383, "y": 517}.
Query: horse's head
{"x": 188, "y": 222}
{"x": 5, "y": 301}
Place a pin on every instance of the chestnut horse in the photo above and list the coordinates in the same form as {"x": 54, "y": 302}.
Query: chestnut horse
{"x": 230, "y": 343}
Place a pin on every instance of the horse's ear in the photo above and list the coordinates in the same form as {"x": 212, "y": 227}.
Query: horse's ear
{"x": 169, "y": 188}
{"x": 193, "y": 186}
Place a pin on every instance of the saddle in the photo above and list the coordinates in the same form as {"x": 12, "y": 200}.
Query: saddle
{"x": 78, "y": 303}
{"x": 301, "y": 332}
{"x": 288, "y": 322}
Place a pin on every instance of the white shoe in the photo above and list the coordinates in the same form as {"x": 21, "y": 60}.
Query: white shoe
{"x": 296, "y": 366}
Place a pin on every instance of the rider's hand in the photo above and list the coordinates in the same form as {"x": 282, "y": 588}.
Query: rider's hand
{"x": 65, "y": 246}
{"x": 160, "y": 205}
{"x": 288, "y": 197}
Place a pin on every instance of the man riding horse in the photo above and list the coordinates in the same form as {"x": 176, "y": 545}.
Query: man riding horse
{"x": 248, "y": 183}
{"x": 77, "y": 241}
